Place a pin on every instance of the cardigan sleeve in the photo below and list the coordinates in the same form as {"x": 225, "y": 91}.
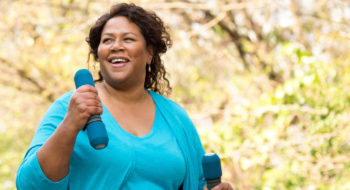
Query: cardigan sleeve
{"x": 200, "y": 153}
{"x": 29, "y": 174}
{"x": 197, "y": 145}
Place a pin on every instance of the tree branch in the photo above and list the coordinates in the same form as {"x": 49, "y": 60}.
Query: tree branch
{"x": 208, "y": 25}
{"x": 236, "y": 40}
{"x": 201, "y": 6}
{"x": 24, "y": 75}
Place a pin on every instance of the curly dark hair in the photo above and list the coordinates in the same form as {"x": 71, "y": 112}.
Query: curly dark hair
{"x": 153, "y": 30}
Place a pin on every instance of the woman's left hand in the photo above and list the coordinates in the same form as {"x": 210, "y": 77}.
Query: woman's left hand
{"x": 221, "y": 186}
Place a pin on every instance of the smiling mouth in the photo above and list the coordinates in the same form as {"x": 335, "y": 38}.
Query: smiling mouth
{"x": 116, "y": 61}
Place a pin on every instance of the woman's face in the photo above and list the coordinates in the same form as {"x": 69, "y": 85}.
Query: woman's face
{"x": 122, "y": 53}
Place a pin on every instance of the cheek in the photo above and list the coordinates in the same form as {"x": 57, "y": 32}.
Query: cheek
{"x": 102, "y": 51}
{"x": 99, "y": 52}
{"x": 142, "y": 53}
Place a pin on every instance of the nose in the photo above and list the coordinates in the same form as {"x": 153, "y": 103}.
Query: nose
{"x": 117, "y": 46}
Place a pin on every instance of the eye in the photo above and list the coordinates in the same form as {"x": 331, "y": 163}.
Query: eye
{"x": 107, "y": 40}
{"x": 129, "y": 39}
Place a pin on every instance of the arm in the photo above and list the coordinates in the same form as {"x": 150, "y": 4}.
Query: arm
{"x": 202, "y": 185}
{"x": 200, "y": 153}
{"x": 196, "y": 145}
{"x": 47, "y": 164}
{"x": 30, "y": 174}
{"x": 54, "y": 156}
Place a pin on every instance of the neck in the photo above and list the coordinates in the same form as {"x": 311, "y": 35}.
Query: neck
{"x": 131, "y": 96}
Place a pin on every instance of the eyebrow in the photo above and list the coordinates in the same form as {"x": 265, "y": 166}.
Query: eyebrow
{"x": 110, "y": 34}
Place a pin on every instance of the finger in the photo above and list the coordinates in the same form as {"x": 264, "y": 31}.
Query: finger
{"x": 223, "y": 186}
{"x": 89, "y": 95}
{"x": 93, "y": 110}
{"x": 81, "y": 96}
{"x": 90, "y": 107}
{"x": 205, "y": 187}
{"x": 92, "y": 102}
{"x": 80, "y": 101}
{"x": 88, "y": 111}
{"x": 87, "y": 88}
{"x": 230, "y": 188}
{"x": 218, "y": 187}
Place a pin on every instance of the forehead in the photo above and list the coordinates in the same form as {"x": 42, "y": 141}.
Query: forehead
{"x": 120, "y": 24}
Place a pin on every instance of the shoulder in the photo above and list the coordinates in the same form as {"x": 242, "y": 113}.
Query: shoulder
{"x": 65, "y": 97}
{"x": 170, "y": 104}
{"x": 173, "y": 109}
{"x": 63, "y": 100}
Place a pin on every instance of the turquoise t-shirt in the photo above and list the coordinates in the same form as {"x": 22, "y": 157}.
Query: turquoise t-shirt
{"x": 154, "y": 161}
{"x": 157, "y": 155}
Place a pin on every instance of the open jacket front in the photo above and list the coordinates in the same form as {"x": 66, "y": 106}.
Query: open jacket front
{"x": 98, "y": 170}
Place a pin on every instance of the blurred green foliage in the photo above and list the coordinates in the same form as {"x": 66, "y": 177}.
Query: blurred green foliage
{"x": 267, "y": 84}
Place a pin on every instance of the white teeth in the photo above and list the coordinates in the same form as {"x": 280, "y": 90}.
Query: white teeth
{"x": 119, "y": 60}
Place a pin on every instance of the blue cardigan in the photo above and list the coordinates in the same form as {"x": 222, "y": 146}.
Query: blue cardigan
{"x": 30, "y": 175}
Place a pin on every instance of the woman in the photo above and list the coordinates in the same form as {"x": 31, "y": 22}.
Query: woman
{"x": 152, "y": 142}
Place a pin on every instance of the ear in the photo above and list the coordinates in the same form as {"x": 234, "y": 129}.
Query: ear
{"x": 150, "y": 55}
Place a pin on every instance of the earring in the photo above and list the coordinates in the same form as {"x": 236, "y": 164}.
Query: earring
{"x": 149, "y": 68}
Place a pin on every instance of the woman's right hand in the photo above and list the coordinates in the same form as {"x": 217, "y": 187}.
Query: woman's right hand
{"x": 84, "y": 102}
